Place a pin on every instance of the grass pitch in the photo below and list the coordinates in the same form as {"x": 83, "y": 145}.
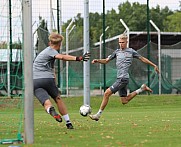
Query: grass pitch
{"x": 147, "y": 121}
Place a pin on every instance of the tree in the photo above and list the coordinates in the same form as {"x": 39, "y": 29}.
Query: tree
{"x": 133, "y": 14}
{"x": 113, "y": 21}
{"x": 95, "y": 23}
{"x": 76, "y": 36}
{"x": 172, "y": 22}
{"x": 15, "y": 45}
{"x": 159, "y": 15}
{"x": 3, "y": 45}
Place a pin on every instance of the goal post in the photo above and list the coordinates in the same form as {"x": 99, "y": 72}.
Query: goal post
{"x": 28, "y": 74}
{"x": 86, "y": 48}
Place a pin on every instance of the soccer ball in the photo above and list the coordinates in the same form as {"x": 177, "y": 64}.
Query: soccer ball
{"x": 85, "y": 110}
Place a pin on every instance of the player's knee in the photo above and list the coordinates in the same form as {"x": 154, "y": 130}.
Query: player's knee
{"x": 107, "y": 93}
{"x": 58, "y": 98}
{"x": 124, "y": 100}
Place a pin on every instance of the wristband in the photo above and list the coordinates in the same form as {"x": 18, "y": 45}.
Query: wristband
{"x": 79, "y": 58}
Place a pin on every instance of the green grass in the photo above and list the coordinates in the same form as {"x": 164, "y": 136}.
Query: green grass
{"x": 147, "y": 121}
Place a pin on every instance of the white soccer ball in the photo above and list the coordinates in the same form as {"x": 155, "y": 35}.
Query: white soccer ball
{"x": 85, "y": 110}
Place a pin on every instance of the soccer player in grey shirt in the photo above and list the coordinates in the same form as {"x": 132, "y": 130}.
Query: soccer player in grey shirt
{"x": 124, "y": 57}
{"x": 44, "y": 78}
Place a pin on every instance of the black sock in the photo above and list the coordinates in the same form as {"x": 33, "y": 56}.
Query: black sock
{"x": 68, "y": 122}
{"x": 52, "y": 111}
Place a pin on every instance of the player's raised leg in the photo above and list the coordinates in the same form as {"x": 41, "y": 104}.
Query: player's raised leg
{"x": 143, "y": 87}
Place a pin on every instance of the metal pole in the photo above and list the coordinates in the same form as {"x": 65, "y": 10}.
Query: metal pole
{"x": 10, "y": 42}
{"x": 67, "y": 63}
{"x": 51, "y": 17}
{"x": 58, "y": 29}
{"x": 8, "y": 49}
{"x": 60, "y": 12}
{"x": 127, "y": 30}
{"x": 100, "y": 56}
{"x": 104, "y": 48}
{"x": 28, "y": 72}
{"x": 58, "y": 17}
{"x": 148, "y": 41}
{"x": 86, "y": 49}
{"x": 61, "y": 62}
{"x": 159, "y": 54}
{"x": 71, "y": 29}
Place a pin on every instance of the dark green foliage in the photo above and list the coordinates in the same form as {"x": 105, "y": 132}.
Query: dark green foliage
{"x": 133, "y": 14}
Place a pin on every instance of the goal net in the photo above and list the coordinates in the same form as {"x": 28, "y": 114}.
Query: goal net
{"x": 11, "y": 73}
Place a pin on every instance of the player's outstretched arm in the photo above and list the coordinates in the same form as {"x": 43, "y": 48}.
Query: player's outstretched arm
{"x": 145, "y": 60}
{"x": 84, "y": 57}
{"x": 102, "y": 61}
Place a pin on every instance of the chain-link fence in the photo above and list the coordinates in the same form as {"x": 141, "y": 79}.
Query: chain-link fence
{"x": 56, "y": 15}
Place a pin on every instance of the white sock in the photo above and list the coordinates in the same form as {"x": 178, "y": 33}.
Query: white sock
{"x": 66, "y": 118}
{"x": 48, "y": 110}
{"x": 99, "y": 112}
{"x": 139, "y": 90}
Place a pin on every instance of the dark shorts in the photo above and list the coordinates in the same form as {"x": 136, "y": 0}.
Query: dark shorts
{"x": 121, "y": 86}
{"x": 44, "y": 88}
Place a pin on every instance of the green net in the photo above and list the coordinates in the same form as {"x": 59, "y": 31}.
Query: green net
{"x": 170, "y": 75}
{"x": 11, "y": 117}
{"x": 11, "y": 74}
{"x": 169, "y": 68}
{"x": 11, "y": 100}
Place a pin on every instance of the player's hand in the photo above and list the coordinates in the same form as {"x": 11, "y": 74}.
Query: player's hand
{"x": 156, "y": 69}
{"x": 84, "y": 57}
{"x": 94, "y": 61}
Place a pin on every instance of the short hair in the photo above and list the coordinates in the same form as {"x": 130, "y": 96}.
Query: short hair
{"x": 55, "y": 38}
{"x": 123, "y": 36}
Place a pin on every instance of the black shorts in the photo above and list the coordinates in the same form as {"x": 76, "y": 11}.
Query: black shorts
{"x": 44, "y": 88}
{"x": 121, "y": 86}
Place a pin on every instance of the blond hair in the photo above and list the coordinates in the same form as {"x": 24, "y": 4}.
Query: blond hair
{"x": 55, "y": 38}
{"x": 123, "y": 36}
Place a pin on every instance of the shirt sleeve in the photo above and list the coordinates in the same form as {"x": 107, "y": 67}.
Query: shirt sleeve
{"x": 136, "y": 54}
{"x": 53, "y": 53}
{"x": 112, "y": 56}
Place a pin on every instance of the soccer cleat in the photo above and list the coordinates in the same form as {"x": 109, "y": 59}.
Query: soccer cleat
{"x": 69, "y": 126}
{"x": 55, "y": 115}
{"x": 58, "y": 118}
{"x": 124, "y": 100}
{"x": 145, "y": 88}
{"x": 94, "y": 117}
